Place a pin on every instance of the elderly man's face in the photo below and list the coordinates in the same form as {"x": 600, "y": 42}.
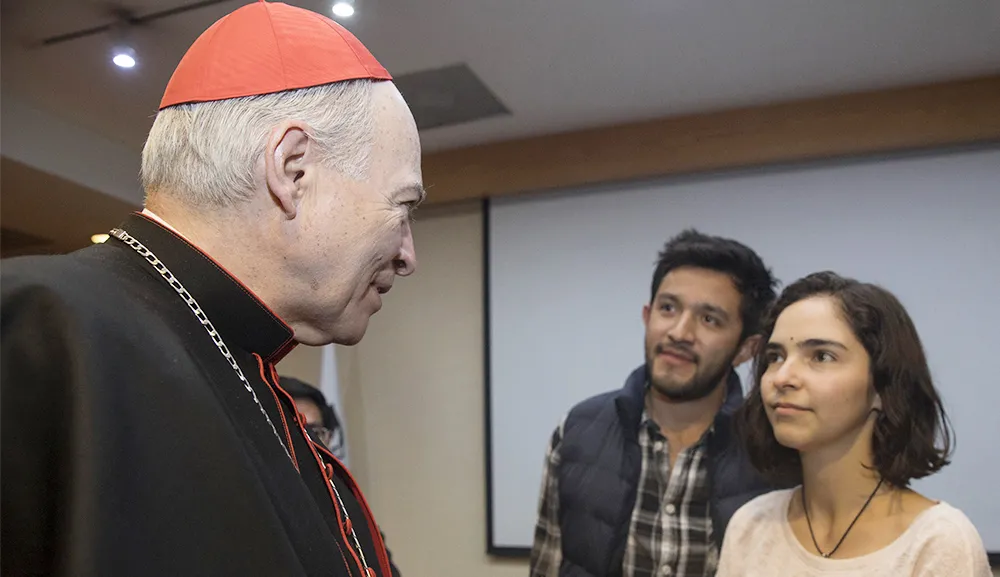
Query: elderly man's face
{"x": 359, "y": 231}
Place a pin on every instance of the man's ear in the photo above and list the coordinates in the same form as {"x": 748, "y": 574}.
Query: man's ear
{"x": 747, "y": 350}
{"x": 645, "y": 315}
{"x": 286, "y": 159}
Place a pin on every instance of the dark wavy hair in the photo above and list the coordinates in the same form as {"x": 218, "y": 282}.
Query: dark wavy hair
{"x": 912, "y": 437}
{"x": 752, "y": 278}
{"x": 301, "y": 390}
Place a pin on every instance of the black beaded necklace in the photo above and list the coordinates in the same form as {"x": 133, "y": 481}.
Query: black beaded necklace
{"x": 849, "y": 527}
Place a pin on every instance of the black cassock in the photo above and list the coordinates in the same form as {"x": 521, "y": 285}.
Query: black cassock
{"x": 131, "y": 446}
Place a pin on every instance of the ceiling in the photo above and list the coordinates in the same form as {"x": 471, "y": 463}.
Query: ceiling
{"x": 556, "y": 65}
{"x": 553, "y": 65}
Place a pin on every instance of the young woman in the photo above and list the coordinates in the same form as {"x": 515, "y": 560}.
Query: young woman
{"x": 843, "y": 408}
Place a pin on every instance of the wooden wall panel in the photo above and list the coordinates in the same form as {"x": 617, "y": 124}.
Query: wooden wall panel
{"x": 952, "y": 113}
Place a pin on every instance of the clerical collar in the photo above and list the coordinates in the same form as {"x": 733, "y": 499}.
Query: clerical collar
{"x": 241, "y": 318}
{"x": 157, "y": 219}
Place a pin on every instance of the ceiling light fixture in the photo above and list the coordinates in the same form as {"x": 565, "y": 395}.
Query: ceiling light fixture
{"x": 122, "y": 47}
{"x": 123, "y": 57}
{"x": 99, "y": 238}
{"x": 343, "y": 8}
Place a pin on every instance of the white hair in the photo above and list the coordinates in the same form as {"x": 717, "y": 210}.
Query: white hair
{"x": 205, "y": 154}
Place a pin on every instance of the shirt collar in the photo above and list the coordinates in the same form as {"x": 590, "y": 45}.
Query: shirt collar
{"x": 647, "y": 422}
{"x": 653, "y": 431}
{"x": 241, "y": 318}
{"x": 156, "y": 218}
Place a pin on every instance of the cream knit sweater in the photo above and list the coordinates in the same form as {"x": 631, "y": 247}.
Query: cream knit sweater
{"x": 941, "y": 542}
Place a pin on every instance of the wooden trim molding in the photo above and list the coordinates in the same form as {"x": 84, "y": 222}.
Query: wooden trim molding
{"x": 952, "y": 113}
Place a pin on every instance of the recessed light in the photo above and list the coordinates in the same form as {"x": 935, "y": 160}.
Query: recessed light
{"x": 124, "y": 57}
{"x": 343, "y": 9}
{"x": 99, "y": 238}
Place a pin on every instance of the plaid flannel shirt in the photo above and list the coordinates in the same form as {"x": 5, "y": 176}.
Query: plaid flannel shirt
{"x": 670, "y": 532}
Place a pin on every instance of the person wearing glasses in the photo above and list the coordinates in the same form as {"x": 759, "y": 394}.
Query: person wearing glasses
{"x": 321, "y": 417}
{"x": 323, "y": 424}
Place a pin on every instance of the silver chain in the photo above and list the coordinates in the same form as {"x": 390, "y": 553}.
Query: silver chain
{"x": 354, "y": 535}
{"x": 200, "y": 315}
{"x": 217, "y": 339}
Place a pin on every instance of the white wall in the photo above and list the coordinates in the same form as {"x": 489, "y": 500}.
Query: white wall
{"x": 413, "y": 394}
{"x": 303, "y": 363}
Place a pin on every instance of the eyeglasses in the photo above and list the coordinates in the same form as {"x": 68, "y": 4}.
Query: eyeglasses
{"x": 331, "y": 439}
{"x": 322, "y": 434}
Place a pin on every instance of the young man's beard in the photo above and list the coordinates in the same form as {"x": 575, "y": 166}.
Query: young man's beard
{"x": 704, "y": 381}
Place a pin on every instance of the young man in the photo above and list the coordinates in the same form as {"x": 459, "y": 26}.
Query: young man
{"x": 144, "y": 429}
{"x": 642, "y": 480}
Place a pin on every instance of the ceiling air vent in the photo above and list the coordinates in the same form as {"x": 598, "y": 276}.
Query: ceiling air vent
{"x": 448, "y": 96}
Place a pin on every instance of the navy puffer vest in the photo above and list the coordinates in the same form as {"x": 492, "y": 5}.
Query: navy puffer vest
{"x": 600, "y": 463}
